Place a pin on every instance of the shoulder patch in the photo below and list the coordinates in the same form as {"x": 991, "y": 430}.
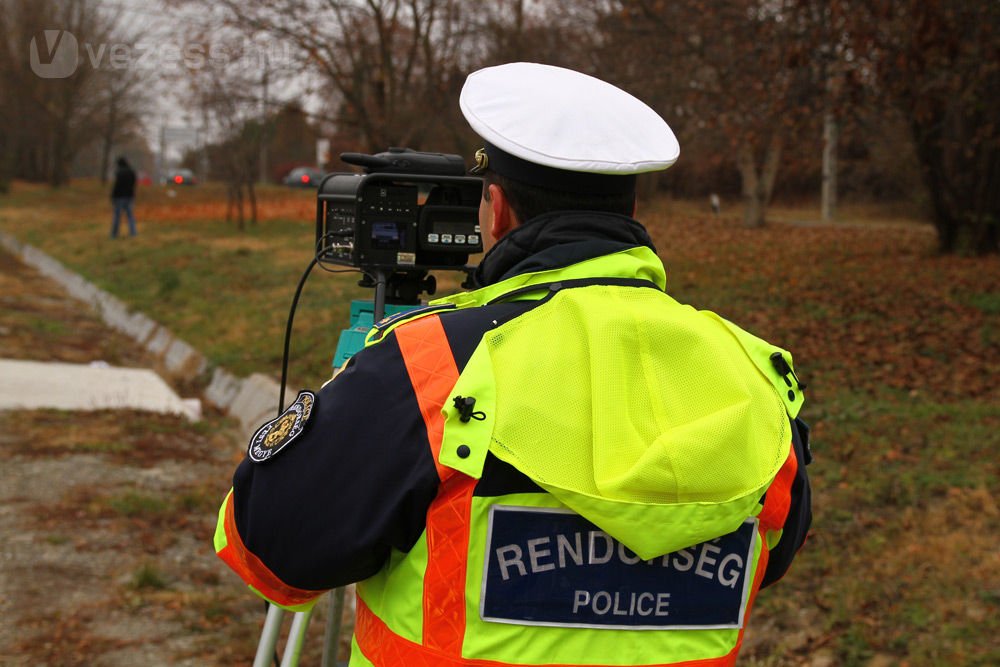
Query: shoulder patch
{"x": 278, "y": 433}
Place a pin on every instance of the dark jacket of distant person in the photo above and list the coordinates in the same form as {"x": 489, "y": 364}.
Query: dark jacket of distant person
{"x": 124, "y": 187}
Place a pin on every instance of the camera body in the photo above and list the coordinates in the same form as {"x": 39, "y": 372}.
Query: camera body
{"x": 410, "y": 211}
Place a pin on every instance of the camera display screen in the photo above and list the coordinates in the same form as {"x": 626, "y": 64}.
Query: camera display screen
{"x": 388, "y": 235}
{"x": 453, "y": 228}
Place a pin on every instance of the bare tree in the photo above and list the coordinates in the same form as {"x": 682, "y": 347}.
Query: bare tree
{"x": 936, "y": 62}
{"x": 741, "y": 72}
{"x": 390, "y": 64}
{"x": 556, "y": 33}
{"x": 8, "y": 116}
{"x": 123, "y": 96}
{"x": 224, "y": 90}
{"x": 50, "y": 118}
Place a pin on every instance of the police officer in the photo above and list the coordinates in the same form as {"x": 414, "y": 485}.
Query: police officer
{"x": 563, "y": 467}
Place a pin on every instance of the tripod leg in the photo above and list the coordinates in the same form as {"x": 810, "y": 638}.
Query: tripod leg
{"x": 334, "y": 620}
{"x": 268, "y": 636}
{"x": 296, "y": 639}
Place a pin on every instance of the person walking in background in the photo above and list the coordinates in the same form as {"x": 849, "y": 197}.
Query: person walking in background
{"x": 122, "y": 196}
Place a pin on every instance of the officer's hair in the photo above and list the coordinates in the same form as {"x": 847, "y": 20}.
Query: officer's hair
{"x": 531, "y": 201}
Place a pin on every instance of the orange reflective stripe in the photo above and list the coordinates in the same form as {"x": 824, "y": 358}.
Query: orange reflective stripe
{"x": 448, "y": 524}
{"x": 779, "y": 495}
{"x": 254, "y": 572}
{"x": 384, "y": 648}
{"x": 433, "y": 374}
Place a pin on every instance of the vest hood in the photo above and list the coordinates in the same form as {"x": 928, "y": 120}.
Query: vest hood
{"x": 660, "y": 424}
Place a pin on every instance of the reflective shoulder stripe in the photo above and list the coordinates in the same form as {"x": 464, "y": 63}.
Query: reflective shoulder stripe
{"x": 433, "y": 374}
{"x": 779, "y": 495}
{"x": 253, "y": 571}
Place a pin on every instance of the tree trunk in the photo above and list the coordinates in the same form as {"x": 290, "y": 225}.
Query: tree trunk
{"x": 5, "y": 162}
{"x": 240, "y": 222}
{"x": 59, "y": 165}
{"x": 262, "y": 135}
{"x": 108, "y": 142}
{"x": 928, "y": 141}
{"x": 230, "y": 201}
{"x": 947, "y": 232}
{"x": 252, "y": 195}
{"x": 752, "y": 214}
{"x": 985, "y": 239}
{"x": 771, "y": 161}
{"x": 758, "y": 184}
{"x": 828, "y": 197}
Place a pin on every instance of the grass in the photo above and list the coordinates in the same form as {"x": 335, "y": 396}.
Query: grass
{"x": 49, "y": 327}
{"x": 103, "y": 447}
{"x": 149, "y": 577}
{"x": 138, "y": 505}
{"x": 902, "y": 560}
{"x": 901, "y": 349}
{"x": 988, "y": 302}
{"x": 137, "y": 438}
{"x": 227, "y": 293}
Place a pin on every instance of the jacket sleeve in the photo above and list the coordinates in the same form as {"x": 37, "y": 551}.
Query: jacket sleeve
{"x": 799, "y": 518}
{"x": 327, "y": 509}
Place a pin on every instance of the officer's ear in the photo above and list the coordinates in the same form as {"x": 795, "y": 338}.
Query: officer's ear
{"x": 504, "y": 218}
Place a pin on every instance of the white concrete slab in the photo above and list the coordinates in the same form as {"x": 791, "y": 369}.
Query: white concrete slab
{"x": 36, "y": 384}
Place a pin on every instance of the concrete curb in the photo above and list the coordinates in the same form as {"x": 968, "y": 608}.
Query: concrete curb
{"x": 250, "y": 400}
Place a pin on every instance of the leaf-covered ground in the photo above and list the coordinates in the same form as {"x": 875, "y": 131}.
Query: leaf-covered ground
{"x": 901, "y": 352}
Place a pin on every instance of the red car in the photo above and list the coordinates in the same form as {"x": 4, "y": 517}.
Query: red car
{"x": 304, "y": 177}
{"x": 180, "y": 177}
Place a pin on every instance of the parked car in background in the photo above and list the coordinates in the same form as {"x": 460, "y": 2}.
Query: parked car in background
{"x": 180, "y": 177}
{"x": 304, "y": 177}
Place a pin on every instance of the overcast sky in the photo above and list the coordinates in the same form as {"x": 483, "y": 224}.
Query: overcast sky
{"x": 167, "y": 45}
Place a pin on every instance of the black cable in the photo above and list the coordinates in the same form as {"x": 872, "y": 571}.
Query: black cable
{"x": 284, "y": 356}
{"x": 288, "y": 333}
{"x": 284, "y": 372}
{"x": 320, "y": 250}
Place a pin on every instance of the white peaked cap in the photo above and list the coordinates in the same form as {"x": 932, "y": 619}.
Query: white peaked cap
{"x": 567, "y": 120}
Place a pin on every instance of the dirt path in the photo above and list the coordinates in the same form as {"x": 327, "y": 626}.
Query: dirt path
{"x": 106, "y": 517}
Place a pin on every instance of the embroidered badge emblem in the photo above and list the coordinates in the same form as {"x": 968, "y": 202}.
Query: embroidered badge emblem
{"x": 278, "y": 433}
